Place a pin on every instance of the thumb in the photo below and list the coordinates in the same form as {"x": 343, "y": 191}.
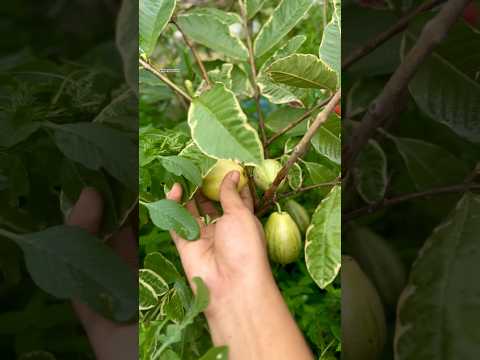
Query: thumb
{"x": 87, "y": 212}
{"x": 229, "y": 196}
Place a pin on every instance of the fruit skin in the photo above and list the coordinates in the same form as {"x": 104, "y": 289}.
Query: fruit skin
{"x": 363, "y": 318}
{"x": 338, "y": 109}
{"x": 284, "y": 241}
{"x": 379, "y": 262}
{"x": 212, "y": 182}
{"x": 298, "y": 214}
{"x": 265, "y": 174}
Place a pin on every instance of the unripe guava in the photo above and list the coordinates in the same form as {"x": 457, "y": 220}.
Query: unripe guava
{"x": 212, "y": 182}
{"x": 284, "y": 241}
{"x": 298, "y": 214}
{"x": 265, "y": 174}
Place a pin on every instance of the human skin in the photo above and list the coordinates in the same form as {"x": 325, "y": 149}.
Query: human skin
{"x": 246, "y": 312}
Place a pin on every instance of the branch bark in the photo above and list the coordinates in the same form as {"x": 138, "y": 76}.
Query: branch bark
{"x": 289, "y": 127}
{"x": 195, "y": 55}
{"x": 299, "y": 151}
{"x": 388, "y": 34}
{"x": 165, "y": 79}
{"x": 387, "y": 103}
{"x": 407, "y": 197}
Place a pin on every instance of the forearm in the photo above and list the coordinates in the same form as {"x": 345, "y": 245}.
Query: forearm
{"x": 256, "y": 324}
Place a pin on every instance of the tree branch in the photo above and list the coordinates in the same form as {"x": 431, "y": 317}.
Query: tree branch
{"x": 253, "y": 67}
{"x": 299, "y": 151}
{"x": 289, "y": 127}
{"x": 165, "y": 79}
{"x": 366, "y": 210}
{"x": 387, "y": 103}
{"x": 195, "y": 55}
{"x": 308, "y": 188}
{"x": 388, "y": 34}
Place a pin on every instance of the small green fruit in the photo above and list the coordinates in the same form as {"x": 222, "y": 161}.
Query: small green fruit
{"x": 212, "y": 182}
{"x": 265, "y": 174}
{"x": 363, "y": 318}
{"x": 298, "y": 214}
{"x": 284, "y": 241}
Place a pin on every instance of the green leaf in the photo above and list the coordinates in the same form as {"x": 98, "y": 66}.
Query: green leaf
{"x": 69, "y": 263}
{"x": 323, "y": 240}
{"x": 154, "y": 15}
{"x": 439, "y": 302}
{"x": 155, "y": 281}
{"x": 147, "y": 298}
{"x": 14, "y": 131}
{"x": 284, "y": 18}
{"x": 212, "y": 33}
{"x": 280, "y": 118}
{"x": 303, "y": 71}
{"x": 182, "y": 166}
{"x": 327, "y": 141}
{"x": 127, "y": 41}
{"x": 216, "y": 353}
{"x": 228, "y": 18}
{"x": 318, "y": 174}
{"x": 253, "y": 7}
{"x": 429, "y": 165}
{"x": 172, "y": 306}
{"x": 220, "y": 128}
{"x": 454, "y": 97}
{"x": 158, "y": 263}
{"x": 96, "y": 146}
{"x": 168, "y": 215}
{"x": 295, "y": 174}
{"x": 370, "y": 173}
{"x": 121, "y": 113}
{"x": 331, "y": 46}
{"x": 278, "y": 93}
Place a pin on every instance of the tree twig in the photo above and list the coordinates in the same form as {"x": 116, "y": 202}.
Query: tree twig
{"x": 253, "y": 67}
{"x": 366, "y": 210}
{"x": 195, "y": 55}
{"x": 165, "y": 79}
{"x": 290, "y": 126}
{"x": 388, "y": 34}
{"x": 299, "y": 151}
{"x": 387, "y": 103}
{"x": 307, "y": 188}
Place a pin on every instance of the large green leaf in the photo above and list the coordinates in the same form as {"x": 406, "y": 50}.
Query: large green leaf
{"x": 127, "y": 41}
{"x": 303, "y": 71}
{"x": 323, "y": 240}
{"x": 331, "y": 46}
{"x": 155, "y": 281}
{"x": 318, "y": 174}
{"x": 202, "y": 161}
{"x": 181, "y": 166}
{"x": 228, "y": 18}
{"x": 327, "y": 141}
{"x": 438, "y": 311}
{"x": 168, "y": 215}
{"x": 14, "y": 131}
{"x": 284, "y": 18}
{"x": 154, "y": 15}
{"x": 253, "y": 7}
{"x": 220, "y": 128}
{"x": 208, "y": 30}
{"x": 428, "y": 164}
{"x": 96, "y": 146}
{"x": 370, "y": 173}
{"x": 147, "y": 298}
{"x": 284, "y": 116}
{"x": 69, "y": 263}
{"x": 158, "y": 263}
{"x": 454, "y": 97}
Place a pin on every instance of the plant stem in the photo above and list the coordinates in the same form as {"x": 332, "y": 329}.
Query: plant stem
{"x": 165, "y": 79}
{"x": 251, "y": 186}
{"x": 195, "y": 54}
{"x": 366, "y": 210}
{"x": 289, "y": 127}
{"x": 308, "y": 188}
{"x": 299, "y": 151}
{"x": 384, "y": 36}
{"x": 388, "y": 102}
{"x": 253, "y": 80}
{"x": 10, "y": 235}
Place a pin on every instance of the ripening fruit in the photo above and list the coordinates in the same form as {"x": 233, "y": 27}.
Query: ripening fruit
{"x": 298, "y": 214}
{"x": 212, "y": 182}
{"x": 363, "y": 318}
{"x": 284, "y": 241}
{"x": 338, "y": 109}
{"x": 265, "y": 174}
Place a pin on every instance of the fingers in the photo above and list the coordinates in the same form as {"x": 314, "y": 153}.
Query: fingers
{"x": 124, "y": 244}
{"x": 87, "y": 212}
{"x": 247, "y": 198}
{"x": 229, "y": 196}
{"x": 206, "y": 206}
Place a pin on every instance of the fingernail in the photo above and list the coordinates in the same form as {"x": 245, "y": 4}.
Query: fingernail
{"x": 235, "y": 176}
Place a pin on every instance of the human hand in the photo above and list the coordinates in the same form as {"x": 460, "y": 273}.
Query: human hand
{"x": 246, "y": 310}
{"x": 110, "y": 341}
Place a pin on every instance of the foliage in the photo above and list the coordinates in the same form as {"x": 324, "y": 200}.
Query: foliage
{"x": 428, "y": 147}
{"x": 200, "y": 101}
{"x": 67, "y": 120}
